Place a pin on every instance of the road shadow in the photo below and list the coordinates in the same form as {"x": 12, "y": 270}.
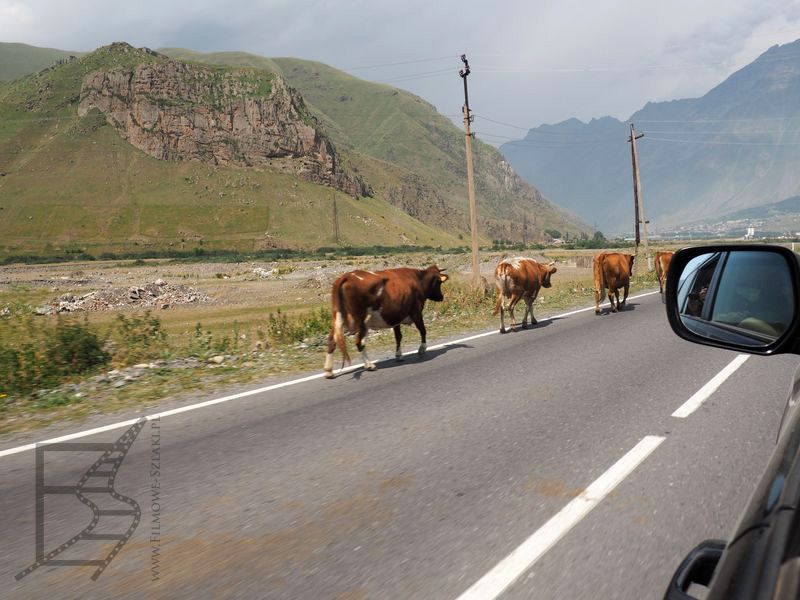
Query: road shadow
{"x": 545, "y": 322}
{"x": 391, "y": 363}
{"x": 629, "y": 306}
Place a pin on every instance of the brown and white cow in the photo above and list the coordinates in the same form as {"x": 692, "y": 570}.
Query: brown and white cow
{"x": 662, "y": 268}
{"x": 519, "y": 278}
{"x": 612, "y": 271}
{"x": 363, "y": 300}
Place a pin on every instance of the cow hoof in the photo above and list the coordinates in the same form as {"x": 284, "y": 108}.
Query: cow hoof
{"x": 523, "y": 326}
{"x": 597, "y": 311}
{"x": 370, "y": 366}
{"x": 399, "y": 358}
{"x": 503, "y": 330}
{"x": 329, "y": 375}
{"x": 422, "y": 349}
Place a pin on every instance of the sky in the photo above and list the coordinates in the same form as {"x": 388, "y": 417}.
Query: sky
{"x": 532, "y": 61}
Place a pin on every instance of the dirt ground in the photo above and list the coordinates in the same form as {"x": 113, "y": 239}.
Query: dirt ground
{"x": 232, "y": 289}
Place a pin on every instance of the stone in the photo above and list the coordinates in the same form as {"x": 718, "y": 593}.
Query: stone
{"x": 217, "y": 360}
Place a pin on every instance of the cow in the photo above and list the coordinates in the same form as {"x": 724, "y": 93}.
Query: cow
{"x": 518, "y": 278}
{"x": 612, "y": 270}
{"x": 662, "y": 267}
{"x": 363, "y": 300}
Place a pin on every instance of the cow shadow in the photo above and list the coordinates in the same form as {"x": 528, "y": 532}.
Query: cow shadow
{"x": 410, "y": 359}
{"x": 544, "y": 322}
{"x": 629, "y": 306}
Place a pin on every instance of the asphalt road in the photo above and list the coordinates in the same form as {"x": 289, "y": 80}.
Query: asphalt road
{"x": 418, "y": 480}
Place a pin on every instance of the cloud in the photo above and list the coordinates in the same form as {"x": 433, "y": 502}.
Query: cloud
{"x": 532, "y": 62}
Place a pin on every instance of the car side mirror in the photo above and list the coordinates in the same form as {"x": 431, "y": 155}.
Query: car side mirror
{"x": 739, "y": 297}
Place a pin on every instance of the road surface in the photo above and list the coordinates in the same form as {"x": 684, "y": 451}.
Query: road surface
{"x": 540, "y": 464}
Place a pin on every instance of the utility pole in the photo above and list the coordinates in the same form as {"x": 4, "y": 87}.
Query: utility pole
{"x": 473, "y": 217}
{"x": 335, "y": 222}
{"x": 638, "y": 202}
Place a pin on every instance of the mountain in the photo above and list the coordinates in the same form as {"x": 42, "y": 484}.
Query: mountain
{"x": 22, "y": 59}
{"x": 410, "y": 154}
{"x": 126, "y": 147}
{"x": 735, "y": 148}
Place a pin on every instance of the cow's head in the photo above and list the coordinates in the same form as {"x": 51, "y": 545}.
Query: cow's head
{"x": 432, "y": 279}
{"x": 548, "y": 270}
{"x": 631, "y": 258}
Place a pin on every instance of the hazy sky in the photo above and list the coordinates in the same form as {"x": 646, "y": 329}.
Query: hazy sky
{"x": 533, "y": 61}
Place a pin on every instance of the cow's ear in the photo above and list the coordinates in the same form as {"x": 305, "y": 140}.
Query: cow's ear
{"x": 443, "y": 277}
{"x": 553, "y": 270}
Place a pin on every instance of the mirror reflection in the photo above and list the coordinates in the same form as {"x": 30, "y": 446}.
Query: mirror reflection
{"x": 741, "y": 296}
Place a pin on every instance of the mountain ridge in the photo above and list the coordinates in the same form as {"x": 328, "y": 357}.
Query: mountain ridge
{"x": 420, "y": 194}
{"x": 731, "y": 149}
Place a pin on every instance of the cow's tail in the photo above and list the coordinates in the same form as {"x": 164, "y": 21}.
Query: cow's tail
{"x": 599, "y": 278}
{"x": 339, "y": 318}
{"x": 502, "y": 279}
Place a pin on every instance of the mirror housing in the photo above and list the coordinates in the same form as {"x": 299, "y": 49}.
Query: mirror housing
{"x": 720, "y": 265}
{"x": 696, "y": 569}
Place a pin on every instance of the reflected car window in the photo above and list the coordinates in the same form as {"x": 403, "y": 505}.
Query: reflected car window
{"x": 694, "y": 284}
{"x": 755, "y": 293}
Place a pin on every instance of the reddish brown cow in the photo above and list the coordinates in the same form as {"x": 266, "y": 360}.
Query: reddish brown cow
{"x": 518, "y": 278}
{"x": 662, "y": 268}
{"x": 365, "y": 300}
{"x": 612, "y": 270}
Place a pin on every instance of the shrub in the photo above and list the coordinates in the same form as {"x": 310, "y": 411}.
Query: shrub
{"x": 282, "y": 329}
{"x": 137, "y": 338}
{"x": 40, "y": 353}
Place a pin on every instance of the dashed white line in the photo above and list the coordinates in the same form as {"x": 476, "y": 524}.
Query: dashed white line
{"x": 190, "y": 407}
{"x": 508, "y": 570}
{"x": 701, "y": 395}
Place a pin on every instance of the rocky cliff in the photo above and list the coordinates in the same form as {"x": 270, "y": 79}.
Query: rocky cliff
{"x": 247, "y": 118}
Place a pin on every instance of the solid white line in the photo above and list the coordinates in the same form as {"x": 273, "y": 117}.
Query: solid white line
{"x": 700, "y": 396}
{"x": 508, "y": 570}
{"x": 269, "y": 388}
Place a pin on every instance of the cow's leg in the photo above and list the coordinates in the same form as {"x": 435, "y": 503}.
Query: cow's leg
{"x": 511, "y": 305}
{"x": 625, "y": 295}
{"x": 503, "y": 309}
{"x": 527, "y": 310}
{"x": 596, "y": 301}
{"x": 361, "y": 334}
{"x": 398, "y": 335}
{"x": 529, "y": 301}
{"x": 329, "y": 356}
{"x": 611, "y": 296}
{"x": 420, "y": 325}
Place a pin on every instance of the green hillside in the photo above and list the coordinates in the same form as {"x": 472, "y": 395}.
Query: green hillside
{"x": 411, "y": 155}
{"x": 17, "y": 60}
{"x": 72, "y": 182}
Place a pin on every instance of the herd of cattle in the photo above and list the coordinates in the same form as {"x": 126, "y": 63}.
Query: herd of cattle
{"x": 363, "y": 300}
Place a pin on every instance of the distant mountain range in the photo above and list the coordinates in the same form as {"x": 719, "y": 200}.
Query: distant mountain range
{"x": 737, "y": 147}
{"x": 125, "y": 148}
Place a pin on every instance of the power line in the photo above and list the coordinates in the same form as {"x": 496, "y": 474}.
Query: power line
{"x": 394, "y": 64}
{"x": 723, "y": 143}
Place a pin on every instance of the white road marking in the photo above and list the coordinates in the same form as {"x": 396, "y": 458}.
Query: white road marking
{"x": 508, "y": 570}
{"x": 269, "y": 388}
{"x": 700, "y": 396}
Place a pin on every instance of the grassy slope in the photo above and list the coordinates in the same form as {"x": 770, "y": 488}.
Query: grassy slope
{"x": 17, "y": 60}
{"x": 71, "y": 181}
{"x": 402, "y": 145}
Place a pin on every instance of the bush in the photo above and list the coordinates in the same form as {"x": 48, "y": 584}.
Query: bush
{"x": 39, "y": 353}
{"x": 282, "y": 329}
{"x": 137, "y": 338}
